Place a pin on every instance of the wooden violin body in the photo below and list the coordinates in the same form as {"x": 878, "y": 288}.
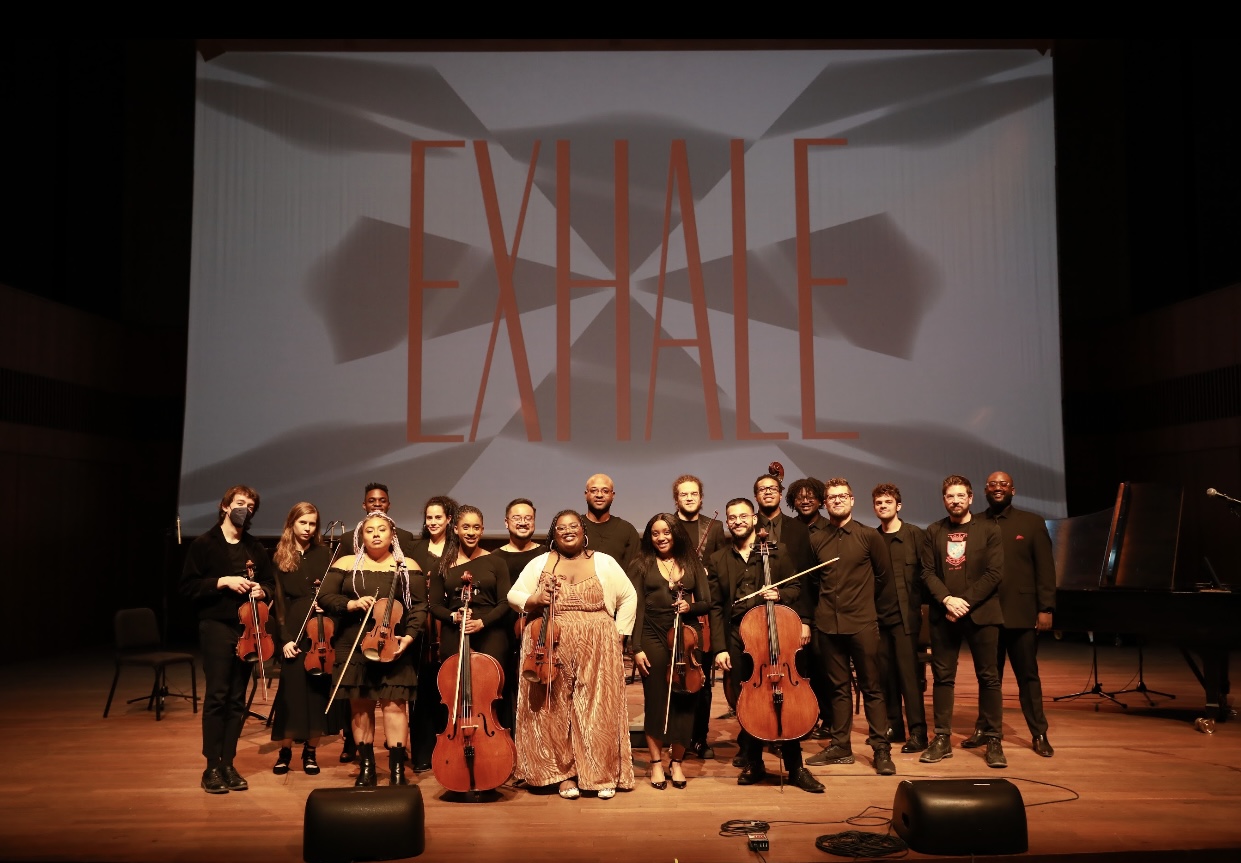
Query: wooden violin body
{"x": 320, "y": 656}
{"x": 380, "y": 642}
{"x": 540, "y": 663}
{"x": 685, "y": 673}
{"x": 255, "y": 643}
{"x": 474, "y": 752}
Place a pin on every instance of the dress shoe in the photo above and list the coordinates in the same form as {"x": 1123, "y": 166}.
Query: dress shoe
{"x": 233, "y": 779}
{"x": 896, "y": 735}
{"x": 804, "y": 779}
{"x": 739, "y": 760}
{"x": 994, "y": 755}
{"x": 883, "y": 761}
{"x": 213, "y": 782}
{"x": 422, "y": 767}
{"x": 348, "y": 753}
{"x": 940, "y": 748}
{"x": 916, "y": 743}
{"x": 283, "y": 758}
{"x": 752, "y": 774}
{"x": 832, "y": 755}
{"x": 701, "y": 749}
{"x": 1042, "y": 747}
{"x": 606, "y": 793}
{"x": 821, "y": 731}
{"x": 662, "y": 783}
{"x": 974, "y": 741}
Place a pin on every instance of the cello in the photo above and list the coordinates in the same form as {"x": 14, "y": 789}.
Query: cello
{"x": 474, "y": 752}
{"x": 775, "y": 703}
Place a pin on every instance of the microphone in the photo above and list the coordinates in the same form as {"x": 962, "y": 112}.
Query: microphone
{"x": 178, "y": 528}
{"x": 1231, "y": 500}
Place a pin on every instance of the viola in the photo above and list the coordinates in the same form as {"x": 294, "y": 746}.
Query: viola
{"x": 540, "y": 664}
{"x": 474, "y": 752}
{"x": 380, "y": 643}
{"x": 775, "y": 703}
{"x": 255, "y": 643}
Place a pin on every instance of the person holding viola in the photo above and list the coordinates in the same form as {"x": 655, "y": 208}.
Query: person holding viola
{"x": 489, "y": 609}
{"x": 300, "y": 562}
{"x": 735, "y": 571}
{"x": 356, "y": 589}
{"x": 574, "y": 728}
{"x": 224, "y": 569}
{"x": 669, "y": 582}
{"x": 437, "y": 513}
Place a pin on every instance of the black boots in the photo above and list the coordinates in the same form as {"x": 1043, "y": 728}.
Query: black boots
{"x": 396, "y": 763}
{"x": 366, "y": 765}
{"x": 281, "y": 766}
{"x": 308, "y": 760}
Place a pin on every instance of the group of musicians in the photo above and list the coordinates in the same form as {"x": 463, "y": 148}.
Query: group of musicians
{"x": 795, "y": 610}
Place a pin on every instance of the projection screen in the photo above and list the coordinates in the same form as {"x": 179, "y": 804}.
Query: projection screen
{"x": 492, "y": 275}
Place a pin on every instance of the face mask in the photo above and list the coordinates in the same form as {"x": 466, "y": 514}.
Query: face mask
{"x": 239, "y": 515}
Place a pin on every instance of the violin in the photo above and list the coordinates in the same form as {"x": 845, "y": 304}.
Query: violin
{"x": 474, "y": 752}
{"x": 319, "y": 628}
{"x": 704, "y": 620}
{"x": 380, "y": 643}
{"x": 255, "y": 643}
{"x": 775, "y": 703}
{"x": 685, "y": 672}
{"x": 540, "y": 664}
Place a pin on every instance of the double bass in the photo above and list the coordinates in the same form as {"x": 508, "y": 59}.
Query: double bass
{"x": 474, "y": 752}
{"x": 775, "y": 703}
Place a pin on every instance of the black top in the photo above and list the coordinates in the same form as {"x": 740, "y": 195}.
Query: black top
{"x": 730, "y": 576}
{"x": 965, "y": 560}
{"x": 846, "y": 596}
{"x": 654, "y": 614}
{"x": 297, "y": 588}
{"x": 1029, "y": 583}
{"x": 489, "y": 602}
{"x": 210, "y": 558}
{"x": 615, "y": 537}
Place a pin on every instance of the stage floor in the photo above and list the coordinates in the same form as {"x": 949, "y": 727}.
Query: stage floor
{"x": 1135, "y": 784}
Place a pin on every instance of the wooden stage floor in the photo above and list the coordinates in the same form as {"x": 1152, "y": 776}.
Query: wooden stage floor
{"x": 1132, "y": 785}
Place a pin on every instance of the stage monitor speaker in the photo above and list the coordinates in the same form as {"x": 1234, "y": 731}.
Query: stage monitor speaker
{"x": 961, "y": 816}
{"x": 344, "y": 824}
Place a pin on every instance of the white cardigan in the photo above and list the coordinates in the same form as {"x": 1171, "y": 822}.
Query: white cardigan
{"x": 619, "y": 597}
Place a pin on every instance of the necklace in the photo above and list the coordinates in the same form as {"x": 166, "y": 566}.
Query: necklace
{"x": 667, "y": 571}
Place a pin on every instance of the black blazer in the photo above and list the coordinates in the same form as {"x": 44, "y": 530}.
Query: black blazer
{"x": 1029, "y": 584}
{"x": 984, "y": 569}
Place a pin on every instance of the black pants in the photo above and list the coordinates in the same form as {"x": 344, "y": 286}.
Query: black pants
{"x": 751, "y": 748}
{"x": 834, "y": 653}
{"x": 984, "y": 642}
{"x": 1021, "y": 647}
{"x": 224, "y": 690}
{"x": 898, "y": 668}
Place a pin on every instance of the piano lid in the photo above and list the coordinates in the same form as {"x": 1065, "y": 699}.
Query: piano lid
{"x": 1131, "y": 546}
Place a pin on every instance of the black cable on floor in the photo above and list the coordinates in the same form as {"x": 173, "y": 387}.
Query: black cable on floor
{"x": 857, "y": 844}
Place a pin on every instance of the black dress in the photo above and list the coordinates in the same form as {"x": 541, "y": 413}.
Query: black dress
{"x": 654, "y": 619}
{"x": 302, "y": 697}
{"x": 396, "y": 680}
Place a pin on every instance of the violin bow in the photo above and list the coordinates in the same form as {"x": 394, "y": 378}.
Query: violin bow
{"x": 258, "y": 641}
{"x": 345, "y": 667}
{"x": 318, "y": 588}
{"x": 786, "y": 580}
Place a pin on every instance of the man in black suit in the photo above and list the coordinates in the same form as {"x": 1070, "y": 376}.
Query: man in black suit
{"x": 1028, "y": 598}
{"x": 962, "y": 566}
{"x": 734, "y": 571}
{"x": 790, "y": 535}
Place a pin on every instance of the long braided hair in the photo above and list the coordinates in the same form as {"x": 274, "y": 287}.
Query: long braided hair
{"x": 402, "y": 573}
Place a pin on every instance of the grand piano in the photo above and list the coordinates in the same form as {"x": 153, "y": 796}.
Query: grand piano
{"x": 1116, "y": 573}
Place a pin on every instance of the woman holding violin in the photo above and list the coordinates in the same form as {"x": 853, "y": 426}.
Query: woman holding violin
{"x": 227, "y": 576}
{"x": 382, "y": 608}
{"x": 300, "y": 564}
{"x": 672, "y": 592}
{"x": 490, "y": 585}
{"x": 572, "y": 724}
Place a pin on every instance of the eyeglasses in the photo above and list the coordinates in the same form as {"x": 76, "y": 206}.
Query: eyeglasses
{"x": 999, "y": 483}
{"x": 737, "y": 519}
{"x": 568, "y": 528}
{"x": 838, "y": 498}
{"x": 521, "y": 519}
{"x": 763, "y": 489}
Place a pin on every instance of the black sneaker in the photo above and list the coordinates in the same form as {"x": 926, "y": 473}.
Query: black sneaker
{"x": 940, "y": 748}
{"x": 213, "y": 782}
{"x": 831, "y": 755}
{"x": 995, "y": 753}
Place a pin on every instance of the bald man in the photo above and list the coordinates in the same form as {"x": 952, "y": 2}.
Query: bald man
{"x": 605, "y": 532}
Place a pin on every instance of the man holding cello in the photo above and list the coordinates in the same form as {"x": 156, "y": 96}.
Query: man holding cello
{"x": 225, "y": 569}
{"x": 733, "y": 572}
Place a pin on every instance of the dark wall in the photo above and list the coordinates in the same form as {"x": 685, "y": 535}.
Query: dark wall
{"x": 97, "y": 165}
